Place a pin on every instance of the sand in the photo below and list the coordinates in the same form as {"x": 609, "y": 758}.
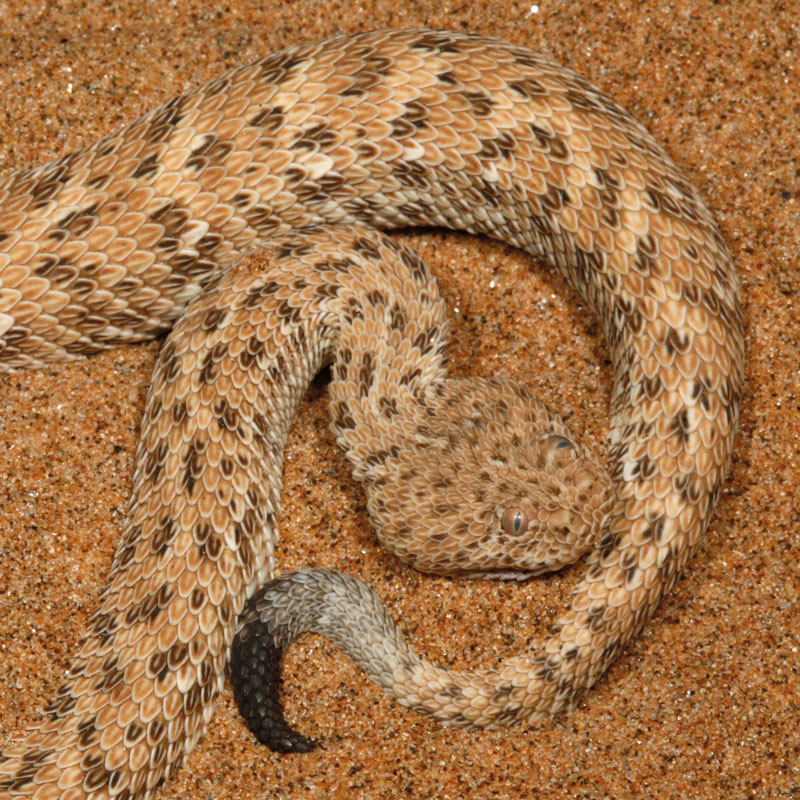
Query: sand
{"x": 704, "y": 704}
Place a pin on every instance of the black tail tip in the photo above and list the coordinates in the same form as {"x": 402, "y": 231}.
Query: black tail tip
{"x": 256, "y": 679}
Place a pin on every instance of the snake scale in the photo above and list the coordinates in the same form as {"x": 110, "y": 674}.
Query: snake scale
{"x": 113, "y": 244}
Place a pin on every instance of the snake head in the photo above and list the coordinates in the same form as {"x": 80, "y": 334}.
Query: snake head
{"x": 489, "y": 481}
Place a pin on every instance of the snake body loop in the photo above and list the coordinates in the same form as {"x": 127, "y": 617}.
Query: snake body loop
{"x": 111, "y": 243}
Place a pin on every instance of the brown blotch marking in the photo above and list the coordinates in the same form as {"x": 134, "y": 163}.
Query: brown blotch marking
{"x": 36, "y": 757}
{"x": 608, "y": 189}
{"x": 587, "y": 100}
{"x": 197, "y": 599}
{"x": 342, "y": 419}
{"x": 52, "y": 180}
{"x": 689, "y": 488}
{"x": 209, "y": 365}
{"x": 423, "y": 341}
{"x": 212, "y": 148}
{"x": 402, "y": 128}
{"x": 436, "y": 41}
{"x": 678, "y": 341}
{"x": 276, "y": 67}
{"x": 655, "y": 530}
{"x": 193, "y": 265}
{"x": 103, "y": 626}
{"x": 489, "y": 150}
{"x": 660, "y": 202}
{"x": 193, "y": 464}
{"x": 587, "y": 265}
{"x": 148, "y": 166}
{"x": 212, "y": 547}
{"x": 179, "y": 412}
{"x": 608, "y": 654}
{"x": 164, "y": 120}
{"x": 87, "y": 732}
{"x": 548, "y": 668}
{"x": 646, "y": 468}
{"x": 416, "y": 113}
{"x": 528, "y": 88}
{"x": 156, "y": 729}
{"x": 370, "y": 75}
{"x": 147, "y": 609}
{"x": 155, "y": 461}
{"x": 173, "y": 218}
{"x": 97, "y": 778}
{"x": 415, "y": 265}
{"x": 710, "y": 302}
{"x": 176, "y": 656}
{"x": 668, "y": 568}
{"x": 388, "y": 407}
{"x": 506, "y": 143}
{"x": 227, "y": 417}
{"x": 480, "y": 103}
{"x": 366, "y": 373}
{"x": 253, "y": 351}
{"x": 508, "y": 715}
{"x": 111, "y": 678}
{"x": 157, "y": 667}
{"x": 629, "y": 560}
{"x": 412, "y": 175}
{"x": 169, "y": 361}
{"x": 61, "y": 706}
{"x": 261, "y": 424}
{"x": 99, "y": 182}
{"x": 79, "y": 221}
{"x": 653, "y": 387}
{"x": 398, "y": 320}
{"x": 594, "y": 618}
{"x": 206, "y": 677}
{"x": 318, "y": 137}
{"x": 376, "y": 298}
{"x": 608, "y": 544}
{"x": 680, "y": 425}
{"x": 635, "y": 322}
{"x": 14, "y": 337}
{"x": 554, "y": 199}
{"x": 255, "y": 295}
{"x": 286, "y": 311}
{"x": 124, "y": 554}
{"x": 165, "y": 595}
{"x": 270, "y": 119}
{"x": 133, "y": 734}
{"x": 261, "y": 218}
{"x": 408, "y": 377}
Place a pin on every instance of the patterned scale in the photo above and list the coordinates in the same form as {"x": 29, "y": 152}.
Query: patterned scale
{"x": 110, "y": 244}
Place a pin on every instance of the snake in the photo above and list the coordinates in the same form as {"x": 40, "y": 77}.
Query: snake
{"x": 146, "y": 229}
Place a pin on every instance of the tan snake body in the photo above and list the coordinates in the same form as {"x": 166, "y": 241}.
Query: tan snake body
{"x": 109, "y": 245}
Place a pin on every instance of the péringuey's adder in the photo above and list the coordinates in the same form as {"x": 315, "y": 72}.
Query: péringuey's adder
{"x": 111, "y": 243}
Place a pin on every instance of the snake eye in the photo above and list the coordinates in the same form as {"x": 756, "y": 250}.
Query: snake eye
{"x": 514, "y": 521}
{"x": 559, "y": 442}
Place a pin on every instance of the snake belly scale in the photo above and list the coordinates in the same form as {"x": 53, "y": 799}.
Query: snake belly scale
{"x": 111, "y": 243}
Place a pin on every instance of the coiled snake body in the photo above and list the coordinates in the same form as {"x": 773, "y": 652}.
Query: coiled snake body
{"x": 111, "y": 243}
